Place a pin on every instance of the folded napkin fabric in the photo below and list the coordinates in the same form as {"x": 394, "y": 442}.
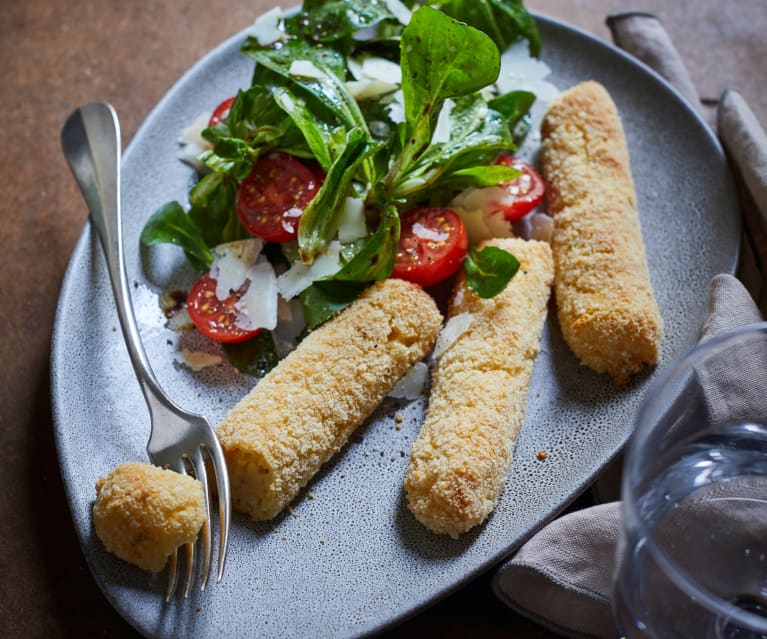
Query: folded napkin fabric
{"x": 729, "y": 307}
{"x": 643, "y": 36}
{"x": 562, "y": 577}
{"x": 745, "y": 142}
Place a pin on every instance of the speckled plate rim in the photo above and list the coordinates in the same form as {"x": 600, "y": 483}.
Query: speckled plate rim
{"x": 730, "y": 249}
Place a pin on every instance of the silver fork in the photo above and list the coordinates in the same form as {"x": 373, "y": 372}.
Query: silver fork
{"x": 178, "y": 440}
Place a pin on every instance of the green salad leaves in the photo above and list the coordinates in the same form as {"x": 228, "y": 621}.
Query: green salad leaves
{"x": 423, "y": 137}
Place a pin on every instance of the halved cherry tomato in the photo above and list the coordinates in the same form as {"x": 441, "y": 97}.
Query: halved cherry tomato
{"x": 432, "y": 245}
{"x": 221, "y": 112}
{"x": 271, "y": 199}
{"x": 214, "y": 317}
{"x": 523, "y": 193}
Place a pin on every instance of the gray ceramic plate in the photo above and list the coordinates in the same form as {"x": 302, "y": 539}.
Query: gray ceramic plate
{"x": 350, "y": 559}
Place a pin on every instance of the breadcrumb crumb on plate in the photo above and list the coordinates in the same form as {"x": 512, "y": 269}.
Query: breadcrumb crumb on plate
{"x": 143, "y": 513}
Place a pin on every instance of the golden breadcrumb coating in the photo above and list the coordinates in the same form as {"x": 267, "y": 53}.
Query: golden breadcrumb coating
{"x": 461, "y": 457}
{"x": 143, "y": 513}
{"x": 605, "y": 302}
{"x": 302, "y": 412}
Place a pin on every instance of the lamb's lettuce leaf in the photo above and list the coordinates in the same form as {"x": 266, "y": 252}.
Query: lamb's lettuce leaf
{"x": 328, "y": 89}
{"x": 256, "y": 356}
{"x": 326, "y": 298}
{"x": 373, "y": 260}
{"x": 170, "y": 224}
{"x": 440, "y": 58}
{"x": 255, "y": 125}
{"x": 212, "y": 209}
{"x": 478, "y": 176}
{"x": 477, "y": 134}
{"x": 513, "y": 106}
{"x": 319, "y": 135}
{"x": 489, "y": 270}
{"x": 336, "y": 21}
{"x": 319, "y": 221}
{"x": 505, "y": 21}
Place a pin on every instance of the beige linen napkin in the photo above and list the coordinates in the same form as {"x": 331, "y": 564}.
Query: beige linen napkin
{"x": 745, "y": 142}
{"x": 562, "y": 576}
{"x": 643, "y": 36}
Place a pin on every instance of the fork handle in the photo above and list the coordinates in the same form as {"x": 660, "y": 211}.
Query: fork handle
{"x": 91, "y": 143}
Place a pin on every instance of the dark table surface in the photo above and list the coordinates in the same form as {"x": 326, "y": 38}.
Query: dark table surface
{"x": 57, "y": 54}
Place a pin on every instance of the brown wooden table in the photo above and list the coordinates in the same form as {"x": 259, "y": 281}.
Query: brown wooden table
{"x": 57, "y": 54}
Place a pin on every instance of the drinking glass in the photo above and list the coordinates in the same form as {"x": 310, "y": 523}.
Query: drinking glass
{"x": 692, "y": 559}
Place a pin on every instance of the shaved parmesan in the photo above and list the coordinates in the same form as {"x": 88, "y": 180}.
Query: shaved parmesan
{"x": 192, "y": 134}
{"x": 352, "y": 225}
{"x": 237, "y": 263}
{"x": 355, "y": 68}
{"x": 478, "y": 208}
{"x": 257, "y": 308}
{"x": 180, "y": 321}
{"x": 522, "y": 72}
{"x": 305, "y": 69}
{"x": 382, "y": 69}
{"x": 399, "y": 11}
{"x": 196, "y": 360}
{"x": 451, "y": 331}
{"x": 442, "y": 130}
{"x": 365, "y": 88}
{"x": 231, "y": 264}
{"x": 373, "y": 76}
{"x": 300, "y": 276}
{"x": 193, "y": 144}
{"x": 266, "y": 28}
{"x": 246, "y": 250}
{"x": 190, "y": 154}
{"x": 412, "y": 384}
{"x": 396, "y": 108}
{"x": 541, "y": 227}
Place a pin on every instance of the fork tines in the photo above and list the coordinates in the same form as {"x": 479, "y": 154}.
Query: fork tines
{"x": 196, "y": 467}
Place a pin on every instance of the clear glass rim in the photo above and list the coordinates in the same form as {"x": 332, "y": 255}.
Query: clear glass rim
{"x": 641, "y": 432}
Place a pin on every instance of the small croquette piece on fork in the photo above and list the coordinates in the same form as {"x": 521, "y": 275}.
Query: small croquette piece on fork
{"x": 143, "y": 513}
{"x": 462, "y": 455}
{"x": 303, "y": 411}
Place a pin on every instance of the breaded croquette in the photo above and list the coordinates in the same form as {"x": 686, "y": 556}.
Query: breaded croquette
{"x": 605, "y": 302}
{"x": 461, "y": 457}
{"x": 143, "y": 513}
{"x": 302, "y": 412}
